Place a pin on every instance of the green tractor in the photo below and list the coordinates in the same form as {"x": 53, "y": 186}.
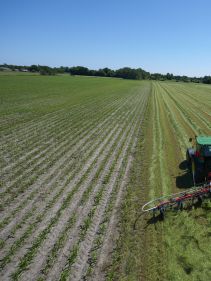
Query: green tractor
{"x": 199, "y": 159}
{"x": 199, "y": 163}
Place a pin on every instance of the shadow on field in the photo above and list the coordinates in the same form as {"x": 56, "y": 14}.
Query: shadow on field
{"x": 154, "y": 219}
{"x": 185, "y": 180}
{"x": 149, "y": 221}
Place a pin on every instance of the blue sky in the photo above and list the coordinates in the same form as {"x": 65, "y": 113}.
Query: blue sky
{"x": 157, "y": 35}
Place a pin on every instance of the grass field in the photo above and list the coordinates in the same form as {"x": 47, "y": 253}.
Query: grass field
{"x": 178, "y": 248}
{"x": 66, "y": 151}
{"x": 79, "y": 157}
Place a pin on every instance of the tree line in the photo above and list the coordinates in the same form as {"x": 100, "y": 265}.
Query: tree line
{"x": 125, "y": 73}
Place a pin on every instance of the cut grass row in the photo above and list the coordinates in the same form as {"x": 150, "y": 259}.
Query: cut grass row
{"x": 178, "y": 248}
{"x": 186, "y": 227}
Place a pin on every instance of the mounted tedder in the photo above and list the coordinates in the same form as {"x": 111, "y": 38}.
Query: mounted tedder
{"x": 199, "y": 163}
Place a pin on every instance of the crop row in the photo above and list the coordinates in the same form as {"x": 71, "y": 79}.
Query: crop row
{"x": 72, "y": 192}
{"x": 78, "y": 135}
{"x": 48, "y": 191}
{"x": 40, "y": 157}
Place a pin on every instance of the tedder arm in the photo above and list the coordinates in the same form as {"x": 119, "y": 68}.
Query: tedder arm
{"x": 176, "y": 201}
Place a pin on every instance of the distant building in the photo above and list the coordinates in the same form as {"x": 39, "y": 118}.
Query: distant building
{"x": 24, "y": 70}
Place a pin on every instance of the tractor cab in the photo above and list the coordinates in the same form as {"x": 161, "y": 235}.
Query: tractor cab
{"x": 199, "y": 159}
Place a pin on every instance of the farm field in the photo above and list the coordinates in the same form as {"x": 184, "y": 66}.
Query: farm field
{"x": 67, "y": 146}
{"x": 79, "y": 157}
{"x": 178, "y": 248}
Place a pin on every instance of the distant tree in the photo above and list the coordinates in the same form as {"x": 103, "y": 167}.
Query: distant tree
{"x": 206, "y": 79}
{"x": 143, "y": 74}
{"x": 79, "y": 70}
{"x": 66, "y": 69}
{"x": 101, "y": 73}
{"x": 169, "y": 76}
{"x": 195, "y": 80}
{"x": 46, "y": 70}
{"x": 127, "y": 73}
{"x": 92, "y": 72}
{"x": 108, "y": 72}
{"x": 34, "y": 68}
{"x": 157, "y": 76}
{"x": 184, "y": 78}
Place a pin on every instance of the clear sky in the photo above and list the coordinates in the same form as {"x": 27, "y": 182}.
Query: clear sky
{"x": 157, "y": 35}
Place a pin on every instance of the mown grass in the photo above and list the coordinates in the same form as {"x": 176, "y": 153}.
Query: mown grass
{"x": 177, "y": 248}
{"x": 186, "y": 234}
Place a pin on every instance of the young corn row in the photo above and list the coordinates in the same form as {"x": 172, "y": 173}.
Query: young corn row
{"x": 48, "y": 204}
{"x": 55, "y": 169}
{"x": 93, "y": 231}
{"x": 94, "y": 149}
{"x": 37, "y": 137}
{"x": 104, "y": 241}
{"x": 59, "y": 226}
{"x": 84, "y": 186}
{"x": 43, "y": 157}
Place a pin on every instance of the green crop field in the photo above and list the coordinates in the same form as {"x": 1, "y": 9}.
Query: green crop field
{"x": 66, "y": 151}
{"x": 79, "y": 157}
